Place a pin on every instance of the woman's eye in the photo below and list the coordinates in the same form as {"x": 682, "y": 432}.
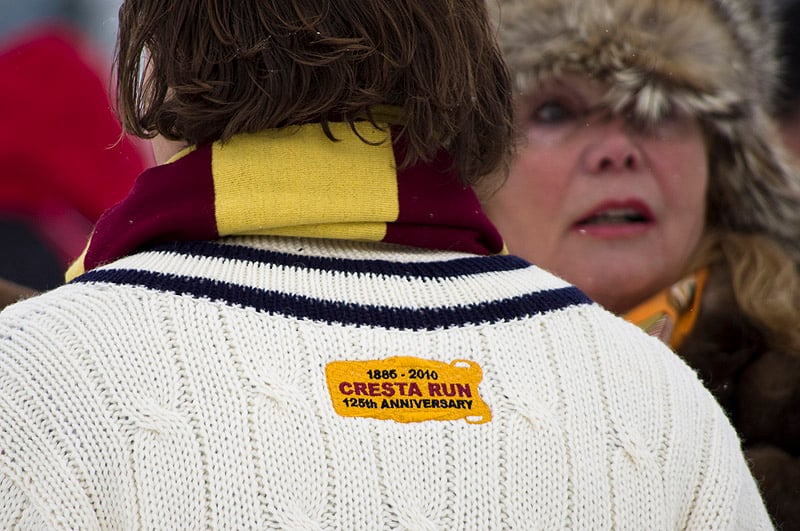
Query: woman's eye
{"x": 552, "y": 112}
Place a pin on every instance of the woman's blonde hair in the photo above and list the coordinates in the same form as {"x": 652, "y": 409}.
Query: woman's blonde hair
{"x": 764, "y": 280}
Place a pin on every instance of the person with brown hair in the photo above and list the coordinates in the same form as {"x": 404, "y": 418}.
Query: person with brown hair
{"x": 302, "y": 319}
{"x": 650, "y": 176}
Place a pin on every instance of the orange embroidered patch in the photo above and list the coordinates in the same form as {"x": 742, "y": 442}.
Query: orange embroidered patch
{"x": 407, "y": 389}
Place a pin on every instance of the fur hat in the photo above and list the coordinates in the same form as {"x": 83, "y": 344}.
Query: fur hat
{"x": 714, "y": 59}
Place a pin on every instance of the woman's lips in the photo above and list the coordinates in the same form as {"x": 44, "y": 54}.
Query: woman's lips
{"x": 616, "y": 219}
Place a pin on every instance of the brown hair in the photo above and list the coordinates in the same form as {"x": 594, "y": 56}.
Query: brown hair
{"x": 218, "y": 71}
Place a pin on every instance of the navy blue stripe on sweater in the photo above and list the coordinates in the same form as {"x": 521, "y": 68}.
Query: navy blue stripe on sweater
{"x": 473, "y": 265}
{"x": 321, "y": 310}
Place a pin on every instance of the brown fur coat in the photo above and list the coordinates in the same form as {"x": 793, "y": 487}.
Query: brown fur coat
{"x": 759, "y": 387}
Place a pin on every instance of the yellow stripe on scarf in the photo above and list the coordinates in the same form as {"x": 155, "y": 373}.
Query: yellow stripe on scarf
{"x": 76, "y": 268}
{"x": 348, "y": 188}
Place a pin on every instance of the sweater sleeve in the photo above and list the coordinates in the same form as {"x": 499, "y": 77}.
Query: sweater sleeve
{"x": 40, "y": 477}
{"x": 707, "y": 482}
{"x": 726, "y": 495}
{"x": 37, "y": 489}
{"x": 751, "y": 513}
{"x": 16, "y": 510}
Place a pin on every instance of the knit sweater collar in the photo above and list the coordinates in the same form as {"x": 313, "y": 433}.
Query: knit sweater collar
{"x": 296, "y": 182}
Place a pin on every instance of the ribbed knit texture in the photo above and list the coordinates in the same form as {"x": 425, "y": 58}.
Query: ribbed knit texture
{"x": 184, "y": 388}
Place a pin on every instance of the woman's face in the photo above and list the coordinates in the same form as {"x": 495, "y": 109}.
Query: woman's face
{"x": 611, "y": 207}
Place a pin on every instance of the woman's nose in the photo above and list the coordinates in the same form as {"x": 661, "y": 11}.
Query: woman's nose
{"x": 614, "y": 149}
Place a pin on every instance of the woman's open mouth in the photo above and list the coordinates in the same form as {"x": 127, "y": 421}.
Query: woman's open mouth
{"x": 615, "y": 216}
{"x": 616, "y": 219}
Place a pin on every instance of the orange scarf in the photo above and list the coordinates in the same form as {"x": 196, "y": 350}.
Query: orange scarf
{"x": 671, "y": 314}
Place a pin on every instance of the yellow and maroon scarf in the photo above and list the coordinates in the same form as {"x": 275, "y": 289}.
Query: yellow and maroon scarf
{"x": 296, "y": 182}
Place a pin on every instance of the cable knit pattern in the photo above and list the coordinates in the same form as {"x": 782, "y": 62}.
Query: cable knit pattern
{"x": 211, "y": 409}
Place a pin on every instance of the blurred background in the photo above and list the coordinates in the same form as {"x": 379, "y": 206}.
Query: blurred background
{"x": 63, "y": 157}
{"x": 96, "y": 18}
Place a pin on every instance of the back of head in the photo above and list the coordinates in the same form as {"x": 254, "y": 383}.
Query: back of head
{"x": 714, "y": 59}
{"x": 214, "y": 72}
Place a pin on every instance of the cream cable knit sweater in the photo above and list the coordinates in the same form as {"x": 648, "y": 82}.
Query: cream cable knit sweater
{"x": 171, "y": 390}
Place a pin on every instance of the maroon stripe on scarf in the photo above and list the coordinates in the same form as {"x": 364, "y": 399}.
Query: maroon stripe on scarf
{"x": 438, "y": 212}
{"x": 166, "y": 203}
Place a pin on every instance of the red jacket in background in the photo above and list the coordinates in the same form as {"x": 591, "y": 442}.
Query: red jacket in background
{"x": 62, "y": 158}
